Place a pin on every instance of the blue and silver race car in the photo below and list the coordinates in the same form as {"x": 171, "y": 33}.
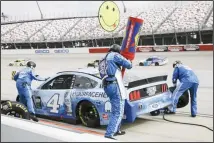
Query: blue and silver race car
{"x": 78, "y": 97}
{"x": 154, "y": 61}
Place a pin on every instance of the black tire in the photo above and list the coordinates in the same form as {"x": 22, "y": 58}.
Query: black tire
{"x": 155, "y": 113}
{"x": 10, "y": 64}
{"x": 141, "y": 64}
{"x": 156, "y": 64}
{"x": 88, "y": 114}
{"x": 90, "y": 65}
{"x": 15, "y": 109}
{"x": 97, "y": 61}
{"x": 183, "y": 100}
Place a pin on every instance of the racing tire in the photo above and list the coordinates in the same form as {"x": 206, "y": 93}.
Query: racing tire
{"x": 91, "y": 65}
{"x": 88, "y": 114}
{"x": 155, "y": 113}
{"x": 156, "y": 64}
{"x": 183, "y": 100}
{"x": 141, "y": 64}
{"x": 97, "y": 61}
{"x": 15, "y": 109}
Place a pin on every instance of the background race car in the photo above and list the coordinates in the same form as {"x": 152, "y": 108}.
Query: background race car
{"x": 93, "y": 63}
{"x": 78, "y": 96}
{"x": 154, "y": 61}
{"x": 19, "y": 62}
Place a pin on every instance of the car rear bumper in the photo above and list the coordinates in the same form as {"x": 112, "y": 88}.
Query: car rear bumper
{"x": 146, "y": 105}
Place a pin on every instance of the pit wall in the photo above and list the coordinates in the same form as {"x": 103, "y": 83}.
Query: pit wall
{"x": 157, "y": 48}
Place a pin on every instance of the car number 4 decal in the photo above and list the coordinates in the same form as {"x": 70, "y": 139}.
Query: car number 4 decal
{"x": 53, "y": 103}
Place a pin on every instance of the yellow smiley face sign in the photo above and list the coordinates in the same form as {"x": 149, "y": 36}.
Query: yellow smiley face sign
{"x": 109, "y": 16}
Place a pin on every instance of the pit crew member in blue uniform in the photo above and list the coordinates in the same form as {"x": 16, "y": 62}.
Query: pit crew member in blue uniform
{"x": 110, "y": 72}
{"x": 188, "y": 80}
{"x": 23, "y": 80}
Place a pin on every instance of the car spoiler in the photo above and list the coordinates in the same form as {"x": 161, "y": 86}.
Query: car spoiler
{"x": 147, "y": 81}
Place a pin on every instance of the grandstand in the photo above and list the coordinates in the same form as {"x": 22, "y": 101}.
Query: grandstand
{"x": 183, "y": 24}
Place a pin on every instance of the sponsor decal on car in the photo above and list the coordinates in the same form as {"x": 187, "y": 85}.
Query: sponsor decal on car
{"x": 175, "y": 48}
{"x": 105, "y": 116}
{"x": 160, "y": 48}
{"x": 155, "y": 105}
{"x": 191, "y": 47}
{"x": 107, "y": 106}
{"x": 42, "y": 51}
{"x": 145, "y": 49}
{"x": 89, "y": 94}
{"x": 61, "y": 51}
{"x": 151, "y": 90}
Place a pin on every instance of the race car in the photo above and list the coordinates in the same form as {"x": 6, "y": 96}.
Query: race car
{"x": 154, "y": 61}
{"x": 93, "y": 64}
{"x": 19, "y": 62}
{"x": 79, "y": 97}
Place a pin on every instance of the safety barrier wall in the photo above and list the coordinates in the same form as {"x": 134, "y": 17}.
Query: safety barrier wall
{"x": 20, "y": 130}
{"x": 157, "y": 48}
{"x": 163, "y": 48}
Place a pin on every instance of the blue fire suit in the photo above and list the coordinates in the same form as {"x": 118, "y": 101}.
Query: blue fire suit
{"x": 23, "y": 80}
{"x": 188, "y": 80}
{"x": 110, "y": 72}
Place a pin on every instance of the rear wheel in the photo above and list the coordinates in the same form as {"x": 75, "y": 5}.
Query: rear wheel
{"x": 88, "y": 114}
{"x": 15, "y": 109}
{"x": 183, "y": 100}
{"x": 155, "y": 113}
{"x": 140, "y": 64}
{"x": 156, "y": 64}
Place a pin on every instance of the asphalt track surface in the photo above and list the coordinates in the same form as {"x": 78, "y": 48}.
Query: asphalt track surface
{"x": 146, "y": 128}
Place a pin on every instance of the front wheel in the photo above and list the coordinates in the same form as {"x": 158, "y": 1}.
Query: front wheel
{"x": 88, "y": 114}
{"x": 15, "y": 109}
{"x": 156, "y": 64}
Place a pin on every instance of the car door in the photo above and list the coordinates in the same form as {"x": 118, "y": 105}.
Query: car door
{"x": 87, "y": 87}
{"x": 16, "y": 62}
{"x": 149, "y": 62}
{"x": 49, "y": 99}
{"x": 84, "y": 83}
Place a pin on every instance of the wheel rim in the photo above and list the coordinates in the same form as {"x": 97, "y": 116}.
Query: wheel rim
{"x": 89, "y": 114}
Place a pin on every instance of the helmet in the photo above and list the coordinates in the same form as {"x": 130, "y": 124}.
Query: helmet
{"x": 114, "y": 48}
{"x": 31, "y": 64}
{"x": 176, "y": 63}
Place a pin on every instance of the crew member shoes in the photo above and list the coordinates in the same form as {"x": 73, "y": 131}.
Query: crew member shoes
{"x": 33, "y": 117}
{"x": 193, "y": 115}
{"x": 110, "y": 138}
{"x": 119, "y": 133}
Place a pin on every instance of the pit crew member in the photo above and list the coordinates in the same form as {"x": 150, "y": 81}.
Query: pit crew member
{"x": 23, "y": 80}
{"x": 188, "y": 80}
{"x": 110, "y": 72}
